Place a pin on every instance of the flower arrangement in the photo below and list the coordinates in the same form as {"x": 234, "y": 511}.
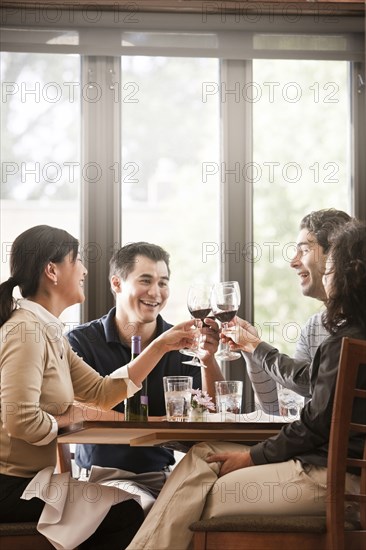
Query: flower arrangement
{"x": 201, "y": 401}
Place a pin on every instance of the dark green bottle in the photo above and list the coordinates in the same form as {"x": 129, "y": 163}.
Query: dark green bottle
{"x": 136, "y": 407}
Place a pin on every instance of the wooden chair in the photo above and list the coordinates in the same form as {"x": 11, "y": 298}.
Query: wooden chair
{"x": 64, "y": 458}
{"x": 24, "y": 535}
{"x": 330, "y": 532}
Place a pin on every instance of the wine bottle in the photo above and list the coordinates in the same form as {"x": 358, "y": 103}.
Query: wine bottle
{"x": 136, "y": 407}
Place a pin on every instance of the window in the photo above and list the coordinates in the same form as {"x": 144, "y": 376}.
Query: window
{"x": 301, "y": 158}
{"x": 40, "y": 147}
{"x": 168, "y": 136}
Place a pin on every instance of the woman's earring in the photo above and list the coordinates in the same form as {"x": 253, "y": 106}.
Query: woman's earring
{"x": 55, "y": 283}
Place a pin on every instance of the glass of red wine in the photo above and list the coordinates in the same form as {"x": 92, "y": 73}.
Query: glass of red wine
{"x": 199, "y": 306}
{"x": 225, "y": 302}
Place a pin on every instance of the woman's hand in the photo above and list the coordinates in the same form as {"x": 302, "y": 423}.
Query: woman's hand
{"x": 241, "y": 335}
{"x": 231, "y": 461}
{"x": 179, "y": 336}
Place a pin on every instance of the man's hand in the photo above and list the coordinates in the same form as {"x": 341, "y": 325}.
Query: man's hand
{"x": 210, "y": 338}
{"x": 241, "y": 335}
{"x": 231, "y": 461}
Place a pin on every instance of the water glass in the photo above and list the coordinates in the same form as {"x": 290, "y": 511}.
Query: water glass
{"x": 289, "y": 402}
{"x": 229, "y": 396}
{"x": 178, "y": 396}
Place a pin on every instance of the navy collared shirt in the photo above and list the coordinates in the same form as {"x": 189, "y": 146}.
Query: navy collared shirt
{"x": 98, "y": 343}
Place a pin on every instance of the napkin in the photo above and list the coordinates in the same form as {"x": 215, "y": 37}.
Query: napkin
{"x": 74, "y": 509}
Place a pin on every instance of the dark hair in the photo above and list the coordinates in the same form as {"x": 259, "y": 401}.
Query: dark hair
{"x": 30, "y": 253}
{"x": 347, "y": 300}
{"x": 123, "y": 261}
{"x": 323, "y": 223}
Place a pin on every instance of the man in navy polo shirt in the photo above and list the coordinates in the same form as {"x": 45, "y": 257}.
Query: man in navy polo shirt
{"x": 139, "y": 278}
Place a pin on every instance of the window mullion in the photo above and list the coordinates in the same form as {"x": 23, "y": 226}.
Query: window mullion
{"x": 236, "y": 181}
{"x": 236, "y": 190}
{"x": 358, "y": 139}
{"x": 100, "y": 177}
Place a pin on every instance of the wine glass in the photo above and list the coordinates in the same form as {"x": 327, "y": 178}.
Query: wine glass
{"x": 225, "y": 301}
{"x": 235, "y": 285}
{"x": 199, "y": 306}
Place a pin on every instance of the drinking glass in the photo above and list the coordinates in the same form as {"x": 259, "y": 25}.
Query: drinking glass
{"x": 178, "y": 396}
{"x": 199, "y": 306}
{"x": 225, "y": 301}
{"x": 289, "y": 402}
{"x": 228, "y": 395}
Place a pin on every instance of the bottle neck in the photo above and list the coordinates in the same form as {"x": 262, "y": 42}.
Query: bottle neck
{"x": 135, "y": 347}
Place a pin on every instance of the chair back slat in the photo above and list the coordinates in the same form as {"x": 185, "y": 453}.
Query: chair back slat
{"x": 352, "y": 497}
{"x": 357, "y": 427}
{"x": 356, "y": 462}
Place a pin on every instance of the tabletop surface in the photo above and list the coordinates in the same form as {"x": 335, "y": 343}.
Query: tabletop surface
{"x": 158, "y": 432}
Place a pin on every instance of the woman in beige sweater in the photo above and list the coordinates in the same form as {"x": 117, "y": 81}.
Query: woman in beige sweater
{"x": 41, "y": 376}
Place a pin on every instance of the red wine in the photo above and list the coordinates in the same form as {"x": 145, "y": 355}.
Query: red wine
{"x": 199, "y": 313}
{"x": 226, "y": 316}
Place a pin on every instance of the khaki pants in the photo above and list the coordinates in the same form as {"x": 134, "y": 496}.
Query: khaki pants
{"x": 194, "y": 491}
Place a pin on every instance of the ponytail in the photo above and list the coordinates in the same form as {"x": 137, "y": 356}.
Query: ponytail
{"x": 30, "y": 253}
{"x": 7, "y": 302}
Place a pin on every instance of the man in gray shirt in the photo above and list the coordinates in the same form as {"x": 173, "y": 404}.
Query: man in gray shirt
{"x": 267, "y": 365}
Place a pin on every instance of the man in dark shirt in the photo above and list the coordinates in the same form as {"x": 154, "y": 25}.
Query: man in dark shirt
{"x": 139, "y": 278}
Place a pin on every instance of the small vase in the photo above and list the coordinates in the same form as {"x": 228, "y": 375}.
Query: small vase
{"x": 198, "y": 415}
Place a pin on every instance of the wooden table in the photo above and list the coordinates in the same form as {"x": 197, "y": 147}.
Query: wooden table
{"x": 161, "y": 432}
